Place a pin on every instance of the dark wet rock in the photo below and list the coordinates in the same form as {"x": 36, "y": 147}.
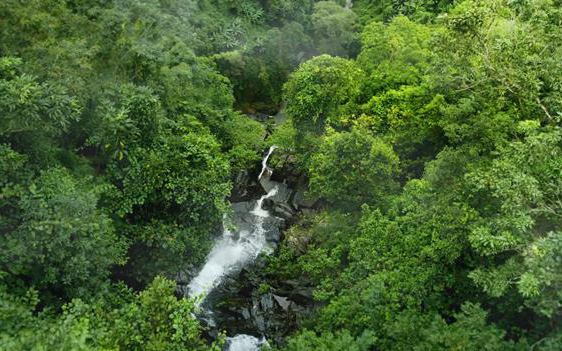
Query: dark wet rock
{"x": 272, "y": 231}
{"x": 245, "y": 187}
{"x": 267, "y": 184}
{"x": 301, "y": 202}
{"x": 249, "y": 301}
{"x": 284, "y": 211}
{"x": 241, "y": 184}
{"x": 242, "y": 207}
{"x": 303, "y": 295}
{"x": 285, "y": 168}
{"x": 266, "y": 301}
{"x": 183, "y": 277}
{"x": 182, "y": 290}
{"x": 268, "y": 204}
{"x": 283, "y": 302}
{"x": 240, "y": 309}
{"x": 283, "y": 194}
{"x": 291, "y": 186}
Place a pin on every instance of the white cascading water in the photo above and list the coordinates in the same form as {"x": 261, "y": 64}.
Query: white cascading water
{"x": 231, "y": 254}
{"x": 244, "y": 342}
{"x": 264, "y": 166}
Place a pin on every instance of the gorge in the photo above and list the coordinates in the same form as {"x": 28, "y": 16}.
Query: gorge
{"x": 236, "y": 248}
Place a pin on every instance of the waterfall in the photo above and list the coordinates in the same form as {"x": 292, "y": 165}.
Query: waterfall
{"x": 230, "y": 254}
{"x": 264, "y": 166}
{"x": 244, "y": 342}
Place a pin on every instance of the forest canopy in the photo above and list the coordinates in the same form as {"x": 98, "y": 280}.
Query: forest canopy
{"x": 427, "y": 134}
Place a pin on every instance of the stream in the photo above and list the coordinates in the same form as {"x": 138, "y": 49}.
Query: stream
{"x": 233, "y": 250}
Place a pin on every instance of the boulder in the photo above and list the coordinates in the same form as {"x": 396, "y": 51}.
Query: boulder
{"x": 284, "y": 302}
{"x": 271, "y": 228}
{"x": 242, "y": 207}
{"x": 238, "y": 304}
{"x": 300, "y": 201}
{"x": 283, "y": 210}
{"x": 266, "y": 302}
{"x": 268, "y": 204}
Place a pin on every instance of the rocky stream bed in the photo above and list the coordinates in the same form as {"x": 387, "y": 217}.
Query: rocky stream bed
{"x": 233, "y": 292}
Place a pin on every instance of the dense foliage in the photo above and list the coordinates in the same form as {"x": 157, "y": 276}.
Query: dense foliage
{"x": 460, "y": 111}
{"x": 428, "y": 131}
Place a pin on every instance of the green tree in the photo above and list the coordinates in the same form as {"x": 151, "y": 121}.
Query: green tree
{"x": 258, "y": 71}
{"x": 517, "y": 197}
{"x": 27, "y": 105}
{"x": 170, "y": 198}
{"x": 308, "y": 340}
{"x": 335, "y": 29}
{"x": 318, "y": 92}
{"x": 496, "y": 67}
{"x": 385, "y": 10}
{"x": 55, "y": 236}
{"x": 469, "y": 331}
{"x": 153, "y": 319}
{"x": 353, "y": 168}
{"x": 395, "y": 54}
